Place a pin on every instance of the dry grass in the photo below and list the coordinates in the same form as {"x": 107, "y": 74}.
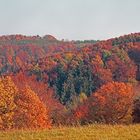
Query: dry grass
{"x": 91, "y": 132}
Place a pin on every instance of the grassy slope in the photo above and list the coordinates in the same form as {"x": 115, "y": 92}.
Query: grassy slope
{"x": 93, "y": 132}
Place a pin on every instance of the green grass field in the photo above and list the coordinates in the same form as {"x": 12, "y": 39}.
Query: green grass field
{"x": 91, "y": 132}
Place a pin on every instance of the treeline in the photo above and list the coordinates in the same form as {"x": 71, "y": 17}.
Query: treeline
{"x": 47, "y": 82}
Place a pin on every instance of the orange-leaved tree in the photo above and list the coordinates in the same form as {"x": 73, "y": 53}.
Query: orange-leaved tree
{"x": 30, "y": 112}
{"x": 112, "y": 103}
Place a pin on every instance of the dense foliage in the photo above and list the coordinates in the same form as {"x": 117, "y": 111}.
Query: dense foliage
{"x": 112, "y": 103}
{"x": 21, "y": 108}
{"x": 52, "y": 82}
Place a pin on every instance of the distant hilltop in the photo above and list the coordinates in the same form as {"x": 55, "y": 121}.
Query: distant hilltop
{"x": 24, "y": 37}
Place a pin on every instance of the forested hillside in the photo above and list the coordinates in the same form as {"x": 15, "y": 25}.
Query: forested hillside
{"x": 45, "y": 81}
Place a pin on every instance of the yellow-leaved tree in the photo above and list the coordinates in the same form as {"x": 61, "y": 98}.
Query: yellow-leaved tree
{"x": 8, "y": 91}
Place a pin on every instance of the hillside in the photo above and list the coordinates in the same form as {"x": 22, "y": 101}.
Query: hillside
{"x": 17, "y": 50}
{"x": 51, "y": 82}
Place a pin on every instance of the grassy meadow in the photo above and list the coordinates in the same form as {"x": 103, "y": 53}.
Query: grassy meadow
{"x": 91, "y": 132}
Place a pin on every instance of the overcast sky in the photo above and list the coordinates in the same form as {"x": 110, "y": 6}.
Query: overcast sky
{"x": 70, "y": 19}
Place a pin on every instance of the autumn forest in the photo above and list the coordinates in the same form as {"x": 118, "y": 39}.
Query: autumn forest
{"x": 45, "y": 82}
